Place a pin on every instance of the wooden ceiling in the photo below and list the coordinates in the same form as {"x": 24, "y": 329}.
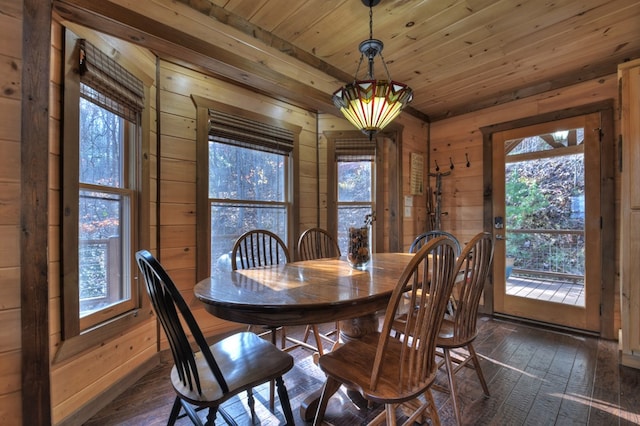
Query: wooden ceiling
{"x": 457, "y": 55}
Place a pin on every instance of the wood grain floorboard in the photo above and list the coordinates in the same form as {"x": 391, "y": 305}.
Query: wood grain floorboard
{"x": 535, "y": 377}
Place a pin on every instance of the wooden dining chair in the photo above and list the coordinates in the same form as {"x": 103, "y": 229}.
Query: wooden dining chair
{"x": 423, "y": 238}
{"x": 392, "y": 371}
{"x": 417, "y": 243}
{"x": 257, "y": 248}
{"x": 317, "y": 243}
{"x": 459, "y": 330}
{"x": 213, "y": 374}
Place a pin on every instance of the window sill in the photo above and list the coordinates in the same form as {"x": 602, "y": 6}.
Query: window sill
{"x": 97, "y": 335}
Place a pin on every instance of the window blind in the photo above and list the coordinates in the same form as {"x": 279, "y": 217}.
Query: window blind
{"x": 246, "y": 133}
{"x": 108, "y": 84}
{"x": 355, "y": 149}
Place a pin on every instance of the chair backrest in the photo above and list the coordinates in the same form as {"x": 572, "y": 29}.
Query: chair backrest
{"x": 316, "y": 243}
{"x": 165, "y": 298}
{"x": 427, "y": 282}
{"x": 472, "y": 268}
{"x": 421, "y": 239}
{"x": 256, "y": 248}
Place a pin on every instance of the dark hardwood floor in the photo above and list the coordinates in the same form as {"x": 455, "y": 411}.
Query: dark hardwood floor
{"x": 536, "y": 377}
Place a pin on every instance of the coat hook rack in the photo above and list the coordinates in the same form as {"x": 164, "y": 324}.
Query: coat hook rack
{"x": 452, "y": 164}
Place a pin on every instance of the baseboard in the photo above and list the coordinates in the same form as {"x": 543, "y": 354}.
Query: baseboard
{"x": 628, "y": 359}
{"x": 546, "y": 325}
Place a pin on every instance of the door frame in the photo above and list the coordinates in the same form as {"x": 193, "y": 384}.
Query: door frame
{"x": 607, "y": 200}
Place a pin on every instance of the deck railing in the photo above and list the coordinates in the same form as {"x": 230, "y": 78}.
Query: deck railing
{"x": 552, "y": 253}
{"x": 100, "y": 273}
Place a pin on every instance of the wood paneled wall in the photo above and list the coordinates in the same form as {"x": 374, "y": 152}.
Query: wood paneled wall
{"x": 462, "y": 190}
{"x": 10, "y": 103}
{"x": 414, "y": 140}
{"x": 177, "y": 156}
{"x": 83, "y": 380}
{"x": 79, "y": 384}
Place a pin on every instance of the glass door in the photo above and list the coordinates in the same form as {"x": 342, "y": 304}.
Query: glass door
{"x": 547, "y": 222}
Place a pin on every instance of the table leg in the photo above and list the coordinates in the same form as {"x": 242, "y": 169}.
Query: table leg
{"x": 355, "y": 328}
{"x": 349, "y": 330}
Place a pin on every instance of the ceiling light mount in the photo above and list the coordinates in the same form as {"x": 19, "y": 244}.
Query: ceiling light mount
{"x": 372, "y": 104}
{"x": 371, "y": 47}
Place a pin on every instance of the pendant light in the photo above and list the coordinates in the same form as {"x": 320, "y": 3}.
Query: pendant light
{"x": 372, "y": 104}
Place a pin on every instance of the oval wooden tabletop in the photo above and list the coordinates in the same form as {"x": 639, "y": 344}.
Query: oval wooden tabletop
{"x": 299, "y": 293}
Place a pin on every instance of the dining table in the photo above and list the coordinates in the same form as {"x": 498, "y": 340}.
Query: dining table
{"x": 306, "y": 292}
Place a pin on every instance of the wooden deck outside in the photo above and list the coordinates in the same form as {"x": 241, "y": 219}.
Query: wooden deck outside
{"x": 535, "y": 376}
{"x": 570, "y": 293}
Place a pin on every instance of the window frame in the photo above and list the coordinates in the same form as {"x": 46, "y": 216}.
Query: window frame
{"x": 203, "y": 205}
{"x": 249, "y": 203}
{"x": 78, "y": 334}
{"x": 129, "y": 227}
{"x": 370, "y": 204}
{"x": 387, "y": 229}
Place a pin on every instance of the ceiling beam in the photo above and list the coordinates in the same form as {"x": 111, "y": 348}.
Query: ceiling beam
{"x": 595, "y": 71}
{"x": 225, "y": 17}
{"x": 178, "y": 46}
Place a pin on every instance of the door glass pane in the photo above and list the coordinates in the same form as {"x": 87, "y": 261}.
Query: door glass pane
{"x": 545, "y": 217}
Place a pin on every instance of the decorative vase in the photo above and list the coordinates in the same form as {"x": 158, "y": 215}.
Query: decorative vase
{"x": 359, "y": 253}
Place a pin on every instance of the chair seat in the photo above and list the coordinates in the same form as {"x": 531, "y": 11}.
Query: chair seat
{"x": 245, "y": 360}
{"x": 447, "y": 337}
{"x": 352, "y": 364}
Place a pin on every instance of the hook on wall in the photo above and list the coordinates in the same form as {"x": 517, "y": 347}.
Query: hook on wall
{"x": 451, "y": 166}
{"x": 437, "y": 167}
{"x": 467, "y": 157}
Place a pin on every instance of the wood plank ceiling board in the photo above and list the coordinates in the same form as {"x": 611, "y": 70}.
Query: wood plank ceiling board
{"x": 458, "y": 56}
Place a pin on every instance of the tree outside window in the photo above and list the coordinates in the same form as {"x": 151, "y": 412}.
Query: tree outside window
{"x": 247, "y": 191}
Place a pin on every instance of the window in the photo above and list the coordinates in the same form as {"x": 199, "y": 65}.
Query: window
{"x": 102, "y": 136}
{"x": 355, "y": 187}
{"x": 248, "y": 175}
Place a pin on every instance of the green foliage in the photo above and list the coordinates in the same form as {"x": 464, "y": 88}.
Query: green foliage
{"x": 524, "y": 201}
{"x": 540, "y": 195}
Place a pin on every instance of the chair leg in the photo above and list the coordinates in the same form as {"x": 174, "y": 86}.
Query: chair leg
{"x": 476, "y": 363}
{"x": 211, "y": 416}
{"x": 433, "y": 410}
{"x": 191, "y": 413}
{"x": 307, "y": 330}
{"x": 226, "y": 416}
{"x": 283, "y": 337}
{"x": 175, "y": 411}
{"x": 390, "y": 409}
{"x": 330, "y": 387}
{"x": 252, "y": 404}
{"x": 379, "y": 419}
{"x": 272, "y": 393}
{"x": 284, "y": 401}
{"x": 452, "y": 383}
{"x": 316, "y": 334}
